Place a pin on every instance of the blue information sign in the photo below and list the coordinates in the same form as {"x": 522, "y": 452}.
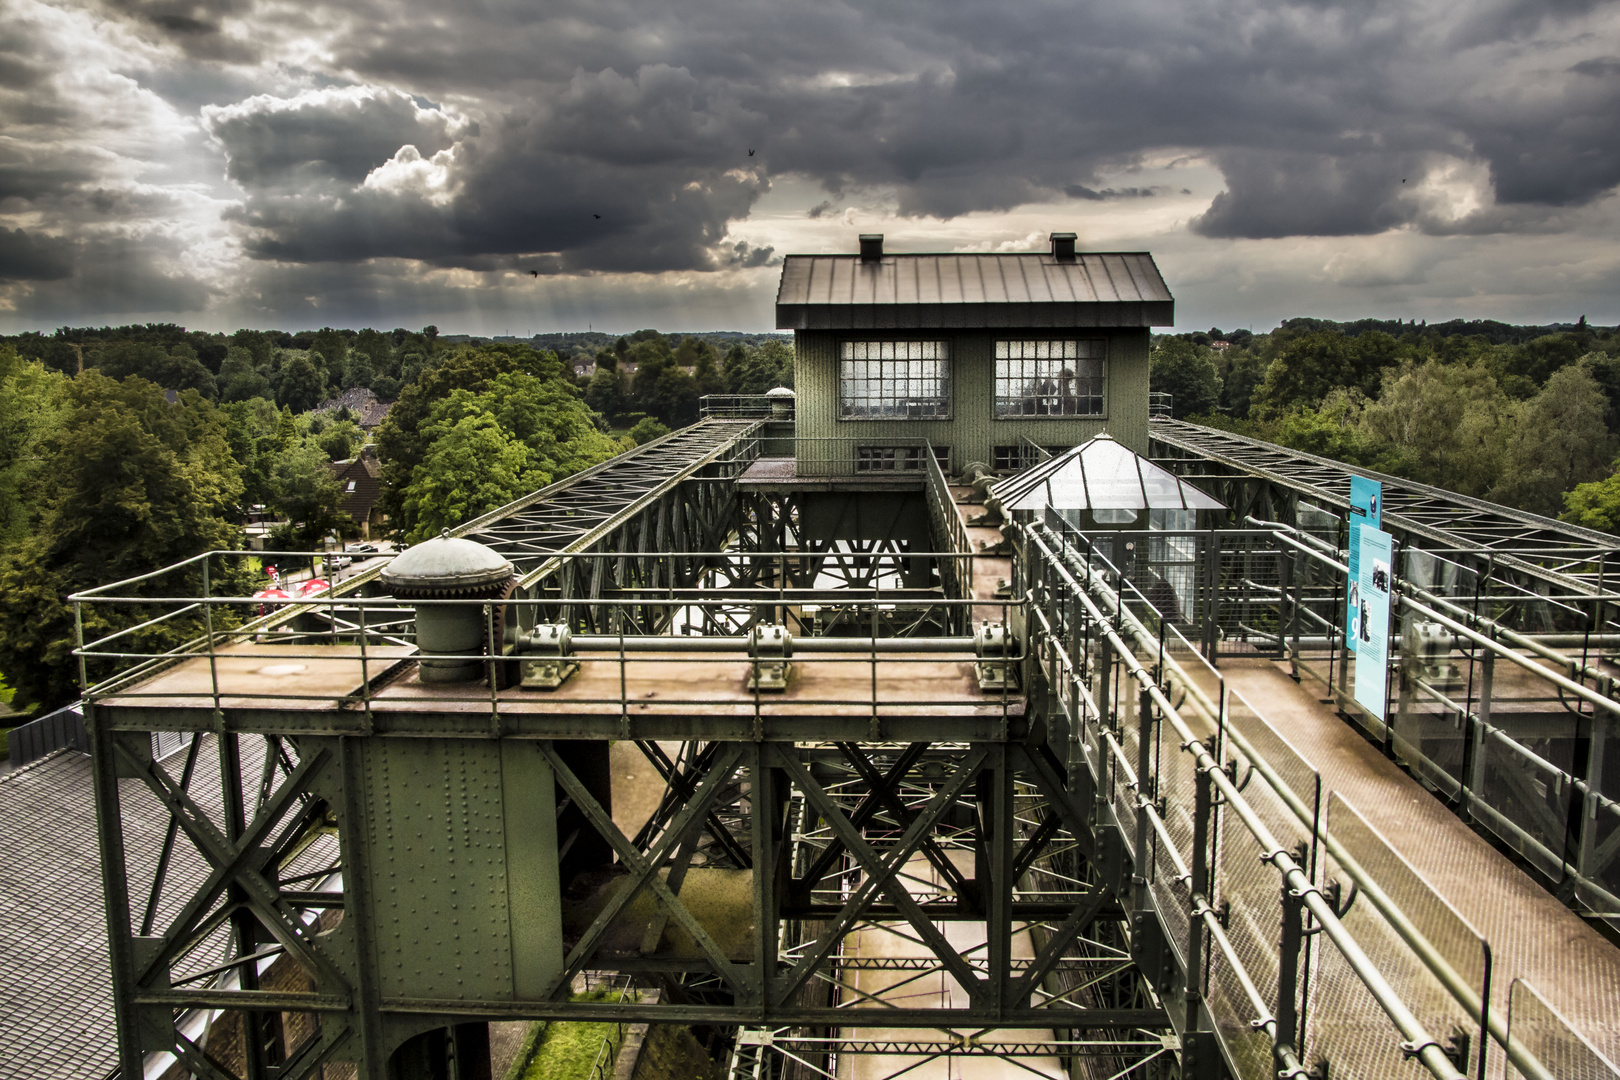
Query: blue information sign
{"x": 1366, "y": 508}
{"x": 1377, "y": 576}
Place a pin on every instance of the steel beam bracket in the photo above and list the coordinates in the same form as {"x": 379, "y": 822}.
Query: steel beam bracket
{"x": 769, "y": 645}
{"x": 992, "y": 643}
{"x": 546, "y": 656}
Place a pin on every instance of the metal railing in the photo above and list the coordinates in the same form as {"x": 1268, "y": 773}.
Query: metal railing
{"x": 650, "y": 636}
{"x": 1245, "y": 860}
{"x": 1432, "y": 975}
{"x": 745, "y": 406}
{"x": 956, "y": 572}
{"x": 602, "y": 1066}
{"x": 862, "y": 456}
{"x": 1515, "y": 733}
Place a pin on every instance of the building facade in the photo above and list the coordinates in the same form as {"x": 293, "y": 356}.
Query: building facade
{"x": 968, "y": 353}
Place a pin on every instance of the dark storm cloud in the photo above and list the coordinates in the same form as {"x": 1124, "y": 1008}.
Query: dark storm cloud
{"x": 606, "y": 136}
{"x": 1282, "y": 194}
{"x": 195, "y": 27}
{"x": 34, "y": 258}
{"x": 1080, "y": 191}
{"x": 614, "y": 173}
{"x": 340, "y": 134}
{"x": 124, "y": 275}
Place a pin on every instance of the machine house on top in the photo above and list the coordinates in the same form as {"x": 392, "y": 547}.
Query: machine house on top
{"x": 967, "y": 354}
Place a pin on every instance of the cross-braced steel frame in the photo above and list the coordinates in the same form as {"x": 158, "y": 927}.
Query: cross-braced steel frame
{"x": 1267, "y": 481}
{"x": 825, "y": 834}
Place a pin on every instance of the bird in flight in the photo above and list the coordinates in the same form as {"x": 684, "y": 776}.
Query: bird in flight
{"x": 598, "y": 217}
{"x": 750, "y": 153}
{"x": 534, "y": 273}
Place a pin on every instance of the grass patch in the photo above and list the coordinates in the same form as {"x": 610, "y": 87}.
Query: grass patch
{"x": 566, "y": 1050}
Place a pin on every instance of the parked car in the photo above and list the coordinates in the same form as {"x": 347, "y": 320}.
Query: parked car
{"x": 339, "y": 562}
{"x": 363, "y": 549}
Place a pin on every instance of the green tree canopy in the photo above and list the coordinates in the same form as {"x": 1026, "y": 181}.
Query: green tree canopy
{"x": 1187, "y": 372}
{"x": 1559, "y": 442}
{"x": 538, "y": 431}
{"x": 135, "y": 484}
{"x": 302, "y": 385}
{"x": 33, "y": 405}
{"x": 305, "y": 492}
{"x": 646, "y": 430}
{"x": 1451, "y": 421}
{"x": 756, "y": 370}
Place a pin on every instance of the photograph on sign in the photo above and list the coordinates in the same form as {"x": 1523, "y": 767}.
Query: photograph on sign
{"x": 1366, "y": 499}
{"x": 1372, "y": 636}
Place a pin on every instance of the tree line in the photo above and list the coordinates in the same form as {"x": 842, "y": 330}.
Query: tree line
{"x": 1524, "y": 416}
{"x": 126, "y": 449}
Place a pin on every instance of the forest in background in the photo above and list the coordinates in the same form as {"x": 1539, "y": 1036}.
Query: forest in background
{"x": 1524, "y": 416}
{"x": 125, "y": 449}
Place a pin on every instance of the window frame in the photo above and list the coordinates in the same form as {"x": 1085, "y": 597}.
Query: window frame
{"x": 870, "y": 459}
{"x": 1101, "y": 345}
{"x": 944, "y": 358}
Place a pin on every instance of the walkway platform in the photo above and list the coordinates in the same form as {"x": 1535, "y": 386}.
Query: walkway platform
{"x": 777, "y": 475}
{"x": 1532, "y": 935}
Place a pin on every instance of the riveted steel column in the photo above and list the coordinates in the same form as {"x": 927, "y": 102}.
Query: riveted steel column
{"x": 115, "y": 890}
{"x": 763, "y": 818}
{"x": 997, "y": 822}
{"x": 357, "y": 911}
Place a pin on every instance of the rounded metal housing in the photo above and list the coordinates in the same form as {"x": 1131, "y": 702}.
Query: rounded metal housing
{"x": 448, "y": 635}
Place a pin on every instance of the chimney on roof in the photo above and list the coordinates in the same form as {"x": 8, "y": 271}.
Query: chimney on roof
{"x": 1063, "y": 246}
{"x": 871, "y": 247}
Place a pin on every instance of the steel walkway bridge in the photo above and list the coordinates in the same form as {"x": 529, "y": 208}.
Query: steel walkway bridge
{"x": 1143, "y": 832}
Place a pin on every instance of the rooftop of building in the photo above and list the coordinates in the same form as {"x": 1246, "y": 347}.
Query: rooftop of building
{"x": 1061, "y": 286}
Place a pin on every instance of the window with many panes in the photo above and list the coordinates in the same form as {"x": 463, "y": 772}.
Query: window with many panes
{"x": 1050, "y": 378}
{"x": 898, "y": 458}
{"x": 894, "y": 380}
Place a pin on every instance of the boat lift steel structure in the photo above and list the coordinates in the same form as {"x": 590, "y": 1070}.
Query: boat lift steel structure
{"x": 824, "y": 815}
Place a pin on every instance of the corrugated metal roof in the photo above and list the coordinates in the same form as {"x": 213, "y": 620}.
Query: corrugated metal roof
{"x": 829, "y": 291}
{"x": 56, "y": 1009}
{"x": 1036, "y": 278}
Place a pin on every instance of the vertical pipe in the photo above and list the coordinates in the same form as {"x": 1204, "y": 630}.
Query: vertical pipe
{"x": 1288, "y": 957}
{"x": 1145, "y": 794}
{"x": 244, "y": 927}
{"x": 1203, "y": 813}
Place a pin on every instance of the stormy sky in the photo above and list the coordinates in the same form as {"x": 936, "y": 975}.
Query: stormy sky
{"x": 511, "y": 166}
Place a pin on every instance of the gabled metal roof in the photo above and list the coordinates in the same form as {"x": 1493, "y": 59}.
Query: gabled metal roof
{"x": 1095, "y": 289}
{"x": 1100, "y": 475}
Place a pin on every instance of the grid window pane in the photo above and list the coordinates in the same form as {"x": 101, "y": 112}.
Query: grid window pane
{"x": 898, "y": 458}
{"x": 1050, "y": 378}
{"x": 894, "y": 380}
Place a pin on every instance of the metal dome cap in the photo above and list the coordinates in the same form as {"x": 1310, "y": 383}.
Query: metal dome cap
{"x": 780, "y": 392}
{"x": 447, "y": 564}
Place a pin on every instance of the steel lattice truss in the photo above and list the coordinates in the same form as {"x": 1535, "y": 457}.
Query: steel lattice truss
{"x": 832, "y": 833}
{"x": 1567, "y": 558}
{"x": 578, "y": 513}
